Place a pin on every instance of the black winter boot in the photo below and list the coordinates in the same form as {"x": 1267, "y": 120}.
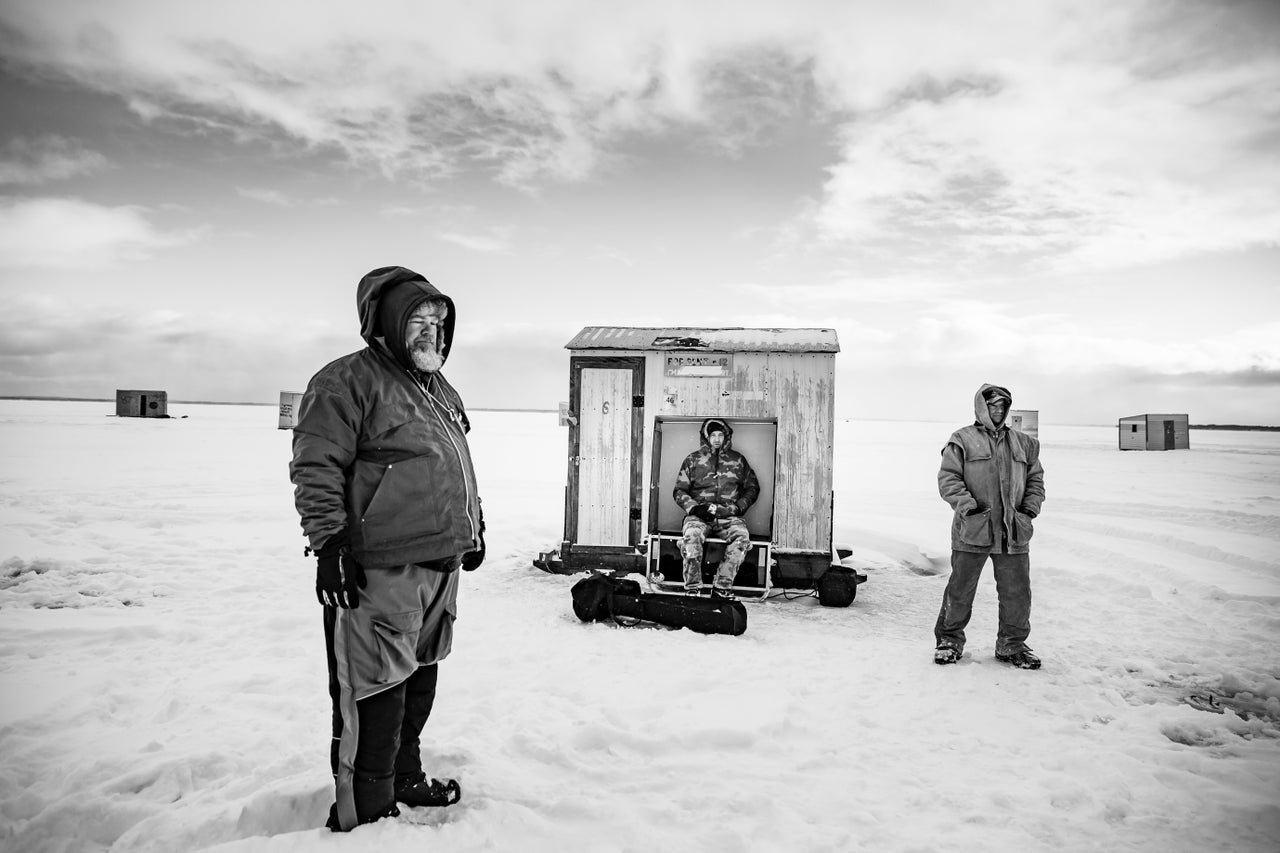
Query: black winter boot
{"x": 418, "y": 790}
{"x": 332, "y": 823}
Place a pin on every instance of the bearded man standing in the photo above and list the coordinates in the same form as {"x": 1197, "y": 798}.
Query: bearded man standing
{"x": 386, "y": 492}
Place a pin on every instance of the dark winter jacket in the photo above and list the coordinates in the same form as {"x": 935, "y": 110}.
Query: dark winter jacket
{"x": 722, "y": 477}
{"x": 994, "y": 481}
{"x": 380, "y": 451}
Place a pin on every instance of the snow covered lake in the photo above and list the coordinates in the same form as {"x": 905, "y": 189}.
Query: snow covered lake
{"x": 162, "y": 676}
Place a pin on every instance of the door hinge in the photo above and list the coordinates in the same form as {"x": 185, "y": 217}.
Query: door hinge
{"x": 635, "y": 514}
{"x": 637, "y": 401}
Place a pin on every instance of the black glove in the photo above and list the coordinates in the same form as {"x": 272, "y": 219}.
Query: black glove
{"x": 978, "y": 508}
{"x": 703, "y": 511}
{"x": 338, "y": 576}
{"x": 472, "y": 559}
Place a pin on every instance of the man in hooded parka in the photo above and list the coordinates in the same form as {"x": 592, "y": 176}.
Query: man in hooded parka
{"x": 992, "y": 478}
{"x": 715, "y": 487}
{"x": 387, "y": 496}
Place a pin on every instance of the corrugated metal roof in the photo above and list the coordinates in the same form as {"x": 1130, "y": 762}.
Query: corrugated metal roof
{"x": 715, "y": 340}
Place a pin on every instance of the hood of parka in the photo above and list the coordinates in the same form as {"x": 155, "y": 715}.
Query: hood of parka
{"x": 980, "y": 405}
{"x": 375, "y": 287}
{"x": 705, "y": 433}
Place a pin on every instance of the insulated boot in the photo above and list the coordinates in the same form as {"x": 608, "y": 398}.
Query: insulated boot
{"x": 946, "y": 654}
{"x": 418, "y": 790}
{"x": 1022, "y": 660}
{"x": 333, "y": 826}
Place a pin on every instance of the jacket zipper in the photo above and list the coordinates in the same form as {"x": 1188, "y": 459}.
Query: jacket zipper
{"x": 436, "y": 405}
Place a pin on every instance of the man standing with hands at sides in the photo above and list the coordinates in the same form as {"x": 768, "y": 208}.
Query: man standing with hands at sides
{"x": 387, "y": 496}
{"x": 992, "y": 478}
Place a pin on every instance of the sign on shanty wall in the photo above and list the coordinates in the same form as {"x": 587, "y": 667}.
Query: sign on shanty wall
{"x": 709, "y": 366}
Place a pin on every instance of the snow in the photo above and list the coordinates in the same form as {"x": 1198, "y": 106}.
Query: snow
{"x": 163, "y": 684}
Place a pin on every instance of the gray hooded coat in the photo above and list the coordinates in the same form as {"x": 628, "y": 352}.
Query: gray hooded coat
{"x": 380, "y": 451}
{"x": 993, "y": 480}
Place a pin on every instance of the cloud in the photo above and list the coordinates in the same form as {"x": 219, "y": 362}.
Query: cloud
{"x": 37, "y": 160}
{"x": 1069, "y": 136}
{"x": 533, "y": 92}
{"x": 272, "y": 197}
{"x": 47, "y": 348}
{"x": 476, "y": 242}
{"x": 971, "y": 333}
{"x": 66, "y": 233}
{"x": 276, "y": 198}
{"x": 1092, "y": 147}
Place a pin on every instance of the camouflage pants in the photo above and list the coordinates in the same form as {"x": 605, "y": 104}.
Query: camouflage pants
{"x": 732, "y": 529}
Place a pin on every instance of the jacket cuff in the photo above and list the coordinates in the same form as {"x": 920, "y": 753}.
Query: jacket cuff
{"x": 333, "y": 544}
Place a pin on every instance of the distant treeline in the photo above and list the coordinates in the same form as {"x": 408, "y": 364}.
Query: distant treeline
{"x": 1244, "y": 427}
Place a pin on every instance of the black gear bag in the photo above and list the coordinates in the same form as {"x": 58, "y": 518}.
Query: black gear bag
{"x": 838, "y": 587}
{"x": 599, "y": 598}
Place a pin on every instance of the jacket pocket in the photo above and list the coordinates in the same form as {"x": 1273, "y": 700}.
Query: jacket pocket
{"x": 1023, "y": 529}
{"x": 397, "y": 639}
{"x": 974, "y": 529}
{"x": 405, "y": 505}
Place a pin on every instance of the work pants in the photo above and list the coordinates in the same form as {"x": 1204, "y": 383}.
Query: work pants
{"x": 382, "y": 660}
{"x": 737, "y": 538}
{"x": 1013, "y": 589}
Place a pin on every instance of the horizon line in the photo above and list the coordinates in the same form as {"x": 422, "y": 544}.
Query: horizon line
{"x": 39, "y": 398}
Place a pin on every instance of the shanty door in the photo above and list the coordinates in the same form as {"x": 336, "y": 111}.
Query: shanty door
{"x": 604, "y": 481}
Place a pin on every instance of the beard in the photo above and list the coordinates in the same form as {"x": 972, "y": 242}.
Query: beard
{"x": 426, "y": 358}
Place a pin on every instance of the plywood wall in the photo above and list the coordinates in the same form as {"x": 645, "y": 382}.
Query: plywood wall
{"x": 796, "y": 389}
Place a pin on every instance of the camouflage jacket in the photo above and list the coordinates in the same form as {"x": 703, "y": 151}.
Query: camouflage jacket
{"x": 723, "y": 478}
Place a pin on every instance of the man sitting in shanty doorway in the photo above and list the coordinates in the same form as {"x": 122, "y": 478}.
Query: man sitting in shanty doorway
{"x": 715, "y": 488}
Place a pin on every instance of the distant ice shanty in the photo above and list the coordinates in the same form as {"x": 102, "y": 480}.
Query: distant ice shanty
{"x": 1026, "y": 421}
{"x": 1155, "y": 432}
{"x": 142, "y": 404}
{"x": 289, "y": 402}
{"x": 637, "y": 398}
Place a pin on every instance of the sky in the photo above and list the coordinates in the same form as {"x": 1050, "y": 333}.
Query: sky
{"x": 1077, "y": 200}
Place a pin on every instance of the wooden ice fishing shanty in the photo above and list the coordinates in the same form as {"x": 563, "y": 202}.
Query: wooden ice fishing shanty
{"x": 1025, "y": 421}
{"x": 1155, "y": 432}
{"x": 142, "y": 404}
{"x": 289, "y": 403}
{"x": 637, "y": 398}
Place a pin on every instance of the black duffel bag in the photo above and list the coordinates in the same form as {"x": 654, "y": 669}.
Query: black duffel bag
{"x": 600, "y": 598}
{"x": 838, "y": 587}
